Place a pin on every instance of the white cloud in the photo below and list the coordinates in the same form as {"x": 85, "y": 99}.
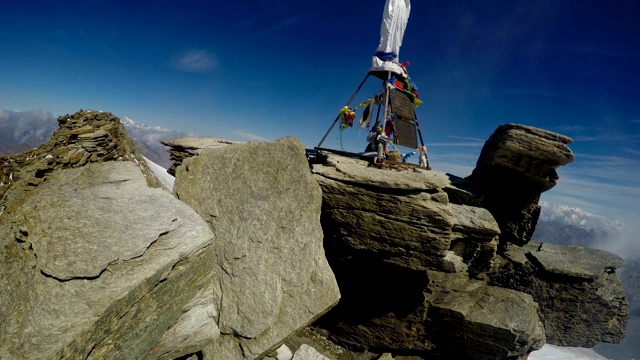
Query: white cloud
{"x": 578, "y": 217}
{"x": 625, "y": 242}
{"x": 196, "y": 60}
{"x": 25, "y": 128}
{"x": 466, "y": 138}
{"x": 631, "y": 151}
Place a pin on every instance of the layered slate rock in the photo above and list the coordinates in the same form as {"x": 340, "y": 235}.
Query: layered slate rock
{"x": 581, "y": 299}
{"x": 272, "y": 277}
{"x": 405, "y": 258}
{"x": 187, "y": 147}
{"x": 437, "y": 266}
{"x": 516, "y": 165}
{"x": 95, "y": 262}
{"x": 462, "y": 321}
{"x": 98, "y": 265}
{"x": 82, "y": 138}
{"x": 402, "y": 217}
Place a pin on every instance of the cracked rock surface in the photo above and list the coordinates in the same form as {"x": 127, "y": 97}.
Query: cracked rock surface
{"x": 96, "y": 260}
{"x": 95, "y": 245}
{"x": 272, "y": 277}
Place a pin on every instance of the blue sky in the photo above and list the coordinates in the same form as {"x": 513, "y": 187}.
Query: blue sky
{"x": 253, "y": 70}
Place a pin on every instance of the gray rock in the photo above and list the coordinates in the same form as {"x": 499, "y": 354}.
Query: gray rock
{"x": 380, "y": 238}
{"x": 271, "y": 275}
{"x": 516, "y": 165}
{"x": 572, "y": 261}
{"x": 98, "y": 265}
{"x": 468, "y": 319}
{"x": 403, "y": 217}
{"x": 530, "y": 154}
{"x": 187, "y": 147}
{"x": 581, "y": 298}
{"x": 193, "y": 330}
{"x": 72, "y": 146}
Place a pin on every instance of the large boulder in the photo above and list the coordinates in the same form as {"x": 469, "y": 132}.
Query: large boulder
{"x": 271, "y": 275}
{"x": 517, "y": 164}
{"x": 428, "y": 265}
{"x": 96, "y": 264}
{"x": 470, "y": 320}
{"x": 406, "y": 257}
{"x": 581, "y": 298}
{"x": 100, "y": 262}
{"x": 97, "y": 261}
{"x": 402, "y": 217}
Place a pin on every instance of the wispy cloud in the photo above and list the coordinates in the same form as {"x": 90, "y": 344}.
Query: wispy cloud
{"x": 456, "y": 163}
{"x": 540, "y": 92}
{"x": 606, "y": 137}
{"x": 459, "y": 144}
{"x": 572, "y": 128}
{"x": 606, "y": 185}
{"x": 249, "y": 136}
{"x": 631, "y": 151}
{"x": 196, "y": 60}
{"x": 466, "y": 138}
{"x": 283, "y": 24}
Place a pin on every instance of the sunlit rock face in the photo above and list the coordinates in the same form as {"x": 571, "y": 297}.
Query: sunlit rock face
{"x": 100, "y": 262}
{"x": 96, "y": 262}
{"x": 271, "y": 274}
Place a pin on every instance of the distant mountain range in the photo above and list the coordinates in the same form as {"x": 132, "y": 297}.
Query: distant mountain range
{"x": 147, "y": 140}
{"x": 23, "y": 130}
{"x": 564, "y": 225}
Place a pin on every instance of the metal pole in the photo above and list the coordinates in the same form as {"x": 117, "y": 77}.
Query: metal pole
{"x": 386, "y": 102}
{"x": 418, "y": 127}
{"x": 338, "y": 117}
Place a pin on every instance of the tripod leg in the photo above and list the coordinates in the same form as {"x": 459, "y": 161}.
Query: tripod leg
{"x": 338, "y": 117}
{"x": 415, "y": 116}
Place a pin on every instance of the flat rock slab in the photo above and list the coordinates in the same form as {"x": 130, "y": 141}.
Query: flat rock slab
{"x": 355, "y": 171}
{"x": 573, "y": 261}
{"x": 199, "y": 143}
{"x": 581, "y": 298}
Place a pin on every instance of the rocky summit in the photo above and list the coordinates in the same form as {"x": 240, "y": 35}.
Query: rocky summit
{"x": 98, "y": 262}
{"x": 270, "y": 257}
{"x": 438, "y": 266}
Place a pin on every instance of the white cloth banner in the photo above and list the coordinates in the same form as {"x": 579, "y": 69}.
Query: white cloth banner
{"x": 394, "y": 22}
